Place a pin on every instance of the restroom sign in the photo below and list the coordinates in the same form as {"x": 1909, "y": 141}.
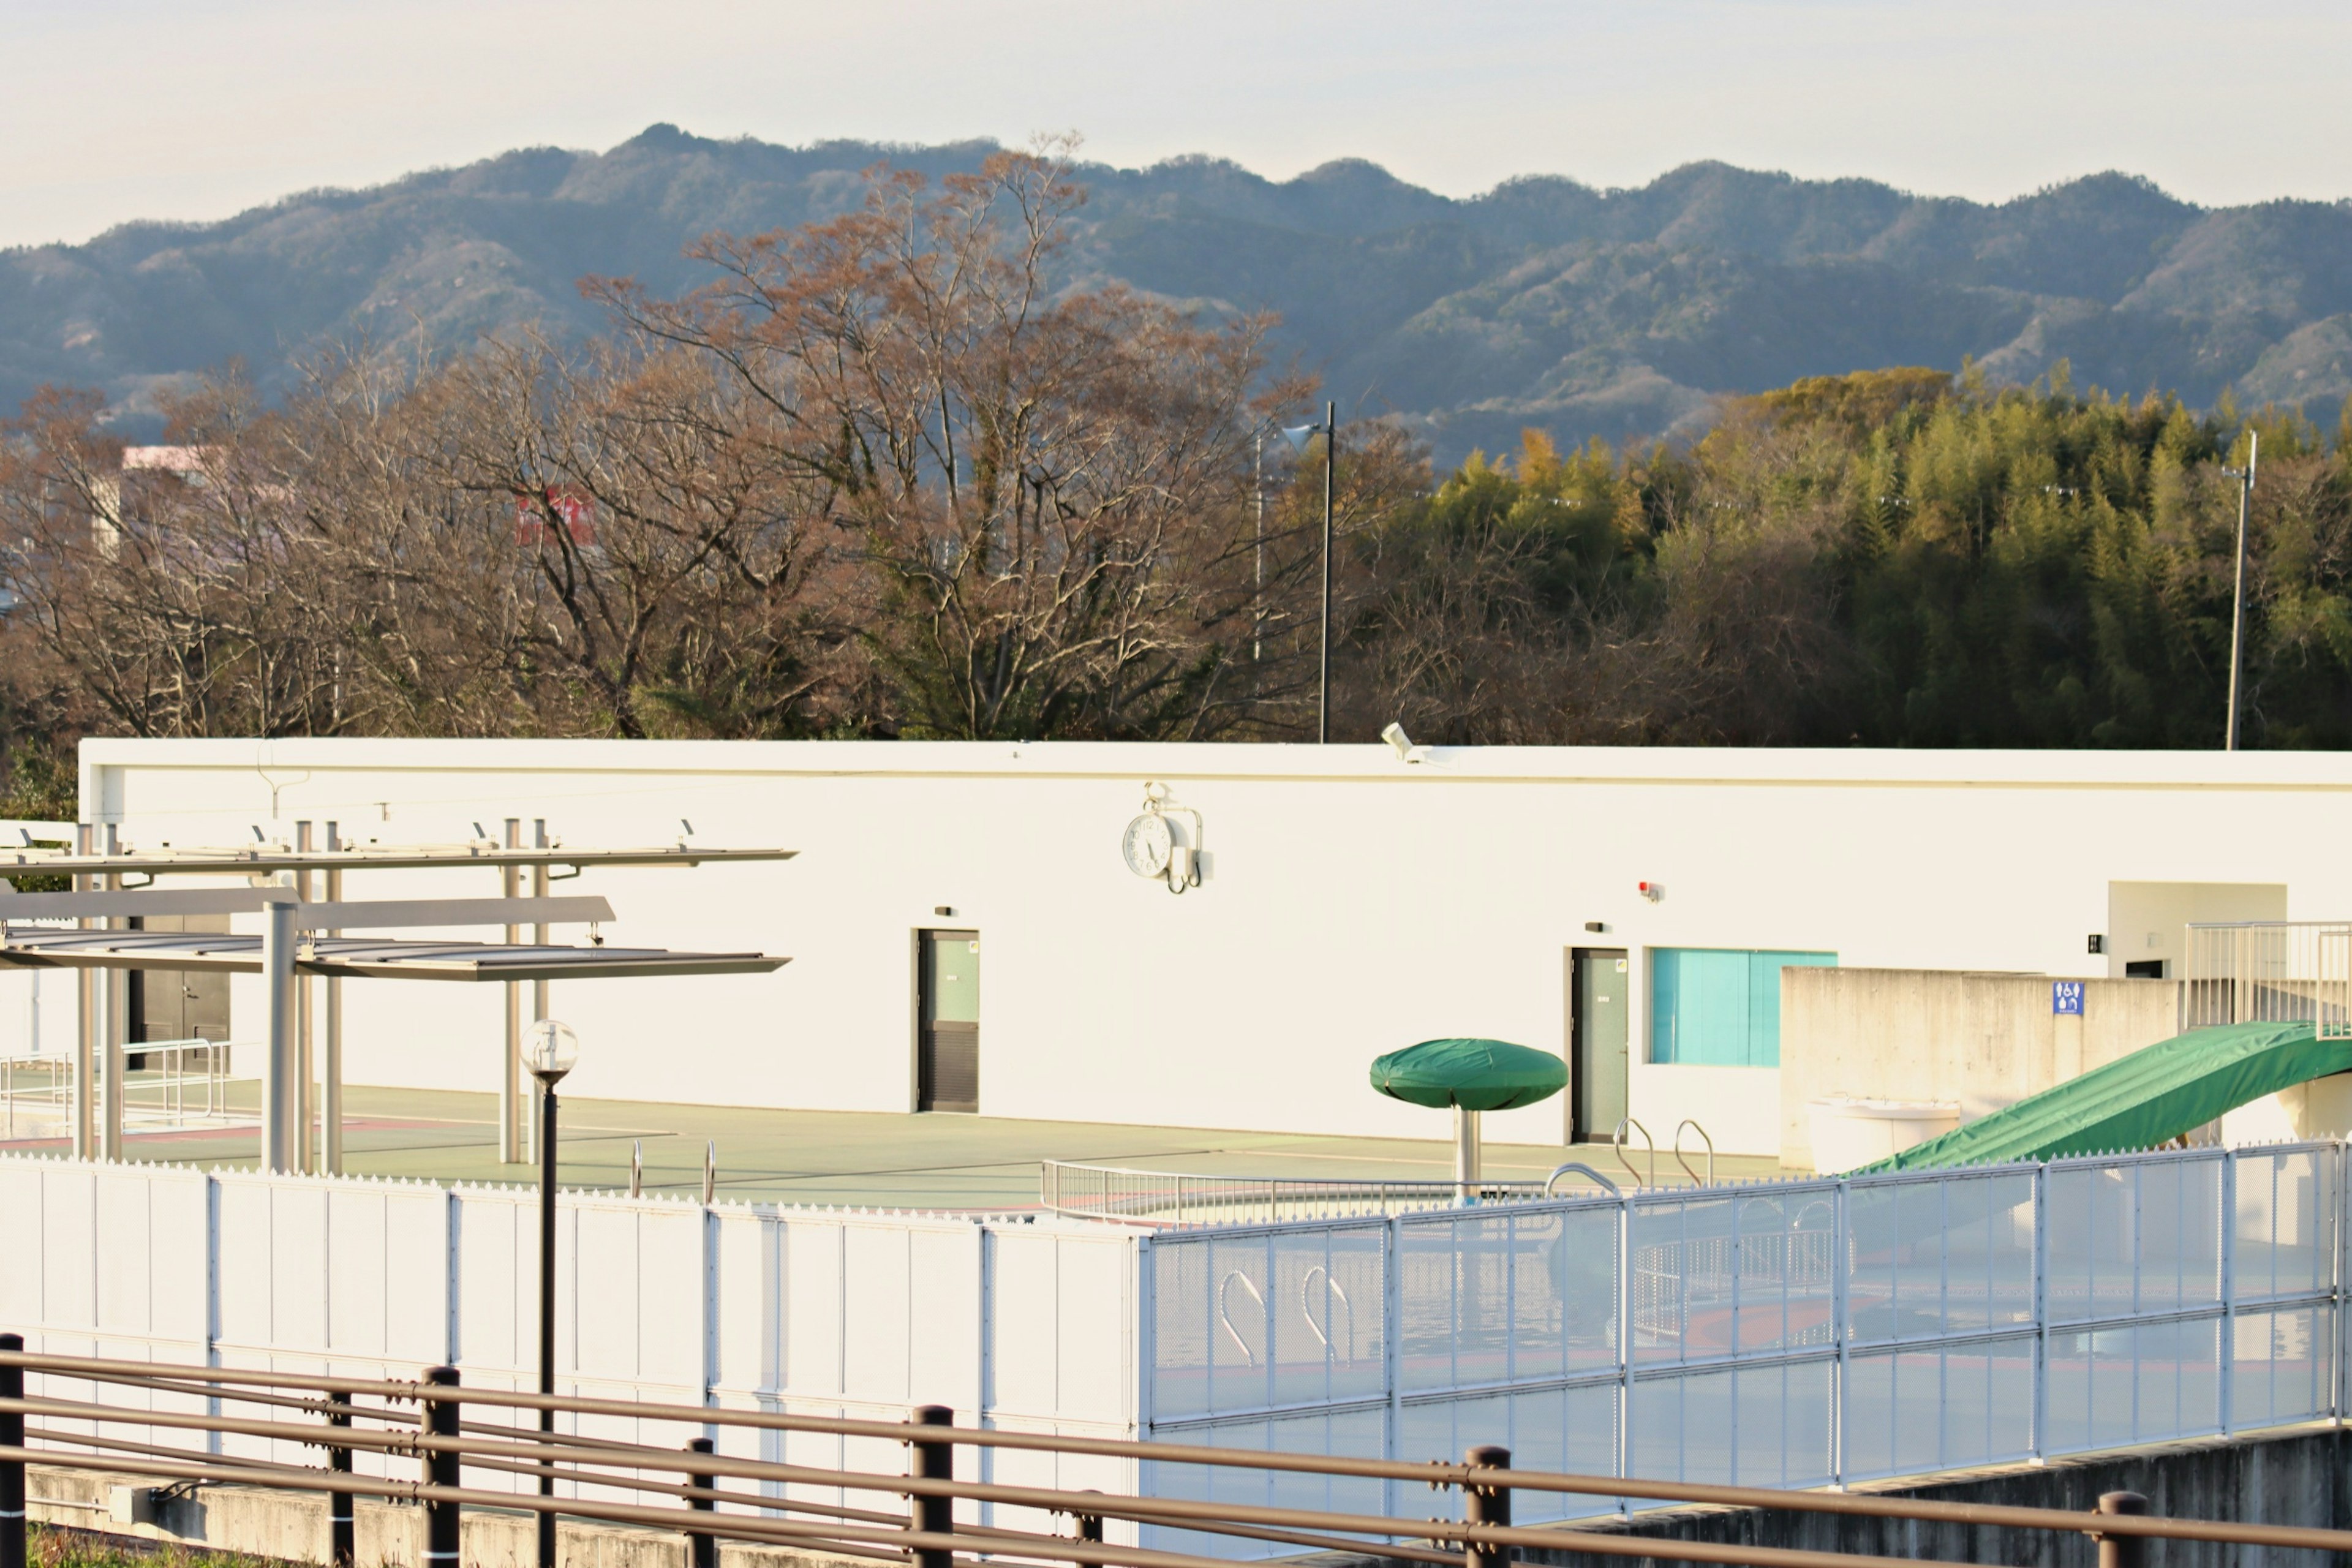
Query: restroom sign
{"x": 2066, "y": 997}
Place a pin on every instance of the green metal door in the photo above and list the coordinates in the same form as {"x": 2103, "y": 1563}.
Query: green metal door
{"x": 1597, "y": 1097}
{"x": 947, "y": 1044}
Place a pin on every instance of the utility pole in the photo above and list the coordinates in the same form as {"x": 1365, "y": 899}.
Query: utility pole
{"x": 1330, "y": 465}
{"x": 2245, "y": 478}
{"x": 1257, "y": 601}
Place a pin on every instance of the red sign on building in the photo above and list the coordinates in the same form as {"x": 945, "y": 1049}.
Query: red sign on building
{"x": 573, "y": 507}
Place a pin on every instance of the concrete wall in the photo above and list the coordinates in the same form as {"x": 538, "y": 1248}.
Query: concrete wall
{"x": 2149, "y": 921}
{"x": 1351, "y": 902}
{"x": 2296, "y": 1478}
{"x": 278, "y": 1526}
{"x": 1981, "y": 1041}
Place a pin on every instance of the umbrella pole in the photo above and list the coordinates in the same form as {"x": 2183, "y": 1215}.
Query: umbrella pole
{"x": 1466, "y": 1155}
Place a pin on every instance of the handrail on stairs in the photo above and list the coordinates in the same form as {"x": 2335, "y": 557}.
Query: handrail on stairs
{"x": 1694, "y": 1126}
{"x": 1619, "y": 1141}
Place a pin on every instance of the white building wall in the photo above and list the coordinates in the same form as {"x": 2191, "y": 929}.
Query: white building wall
{"x": 1351, "y": 903}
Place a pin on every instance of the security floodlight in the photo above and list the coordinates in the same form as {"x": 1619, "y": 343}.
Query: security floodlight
{"x": 1396, "y": 737}
{"x": 550, "y": 1050}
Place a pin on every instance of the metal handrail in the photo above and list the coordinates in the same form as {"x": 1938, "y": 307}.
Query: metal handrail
{"x": 1694, "y": 1126}
{"x": 1619, "y": 1141}
{"x": 1249, "y": 1358}
{"x": 1173, "y": 1197}
{"x": 1331, "y": 1288}
{"x": 1563, "y": 1168}
{"x": 928, "y": 1529}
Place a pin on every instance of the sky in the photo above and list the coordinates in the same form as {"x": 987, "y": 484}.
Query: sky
{"x": 116, "y": 110}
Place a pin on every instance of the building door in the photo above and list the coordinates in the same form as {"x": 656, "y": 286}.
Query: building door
{"x": 1601, "y": 980}
{"x": 176, "y": 1003}
{"x": 947, "y": 1042}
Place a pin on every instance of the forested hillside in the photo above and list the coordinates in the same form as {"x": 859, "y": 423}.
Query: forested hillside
{"x": 899, "y": 477}
{"x": 1543, "y": 302}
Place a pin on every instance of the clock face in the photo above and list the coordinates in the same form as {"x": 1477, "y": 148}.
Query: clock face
{"x": 1146, "y": 845}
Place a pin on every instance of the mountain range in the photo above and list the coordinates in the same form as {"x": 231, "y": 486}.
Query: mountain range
{"x": 1541, "y": 302}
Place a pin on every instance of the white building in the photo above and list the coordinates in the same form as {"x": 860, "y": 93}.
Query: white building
{"x": 1349, "y": 902}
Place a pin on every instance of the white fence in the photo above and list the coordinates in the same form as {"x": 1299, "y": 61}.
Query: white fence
{"x": 1789, "y": 1333}
{"x": 828, "y": 1312}
{"x": 1780, "y": 1334}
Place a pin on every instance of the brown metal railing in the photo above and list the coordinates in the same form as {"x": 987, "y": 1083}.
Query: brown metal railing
{"x": 707, "y": 1496}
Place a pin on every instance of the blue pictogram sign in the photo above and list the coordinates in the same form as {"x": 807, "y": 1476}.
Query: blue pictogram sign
{"x": 2066, "y": 997}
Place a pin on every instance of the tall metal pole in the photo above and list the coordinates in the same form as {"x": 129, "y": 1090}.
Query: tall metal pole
{"x": 331, "y": 1103}
{"x": 2238, "y": 594}
{"x": 511, "y": 1105}
{"x": 1330, "y": 465}
{"x": 306, "y": 1148}
{"x": 539, "y": 933}
{"x": 85, "y": 1068}
{"x": 1257, "y": 599}
{"x": 547, "y": 1111}
{"x": 114, "y": 1027}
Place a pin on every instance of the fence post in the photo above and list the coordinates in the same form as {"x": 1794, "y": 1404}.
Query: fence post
{"x": 1090, "y": 1525}
{"x": 704, "y": 1544}
{"x": 441, "y": 1520}
{"x": 2122, "y": 1550}
{"x": 933, "y": 1461}
{"x": 344, "y": 1547}
{"x": 1489, "y": 1504}
{"x": 12, "y": 1471}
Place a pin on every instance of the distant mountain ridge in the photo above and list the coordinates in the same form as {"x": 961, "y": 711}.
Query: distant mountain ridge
{"x": 1542, "y": 303}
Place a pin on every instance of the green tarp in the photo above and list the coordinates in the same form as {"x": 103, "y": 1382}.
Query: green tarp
{"x": 1477, "y": 1075}
{"x": 2144, "y": 1099}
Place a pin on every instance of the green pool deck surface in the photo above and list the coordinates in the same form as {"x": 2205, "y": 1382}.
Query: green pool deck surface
{"x": 866, "y": 1159}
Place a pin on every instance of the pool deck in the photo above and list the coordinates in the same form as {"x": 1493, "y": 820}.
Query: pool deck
{"x": 864, "y": 1159}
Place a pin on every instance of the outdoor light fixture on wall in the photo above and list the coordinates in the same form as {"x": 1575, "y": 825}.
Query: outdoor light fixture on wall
{"x": 1155, "y": 846}
{"x": 1402, "y": 744}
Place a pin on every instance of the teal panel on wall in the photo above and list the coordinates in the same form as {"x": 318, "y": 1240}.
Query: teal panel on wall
{"x": 1720, "y": 1006}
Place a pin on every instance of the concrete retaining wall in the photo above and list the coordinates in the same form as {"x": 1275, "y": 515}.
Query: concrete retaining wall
{"x": 290, "y": 1526}
{"x": 2296, "y": 1478}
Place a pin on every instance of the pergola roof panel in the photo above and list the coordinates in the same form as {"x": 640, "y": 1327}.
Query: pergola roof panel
{"x": 375, "y": 958}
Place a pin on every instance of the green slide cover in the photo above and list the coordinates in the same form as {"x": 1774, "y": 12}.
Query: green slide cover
{"x": 2141, "y": 1100}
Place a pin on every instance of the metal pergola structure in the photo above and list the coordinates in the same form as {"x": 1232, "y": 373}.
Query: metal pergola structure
{"x": 303, "y": 940}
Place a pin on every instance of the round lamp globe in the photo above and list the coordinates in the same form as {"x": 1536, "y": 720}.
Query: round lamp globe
{"x": 550, "y": 1050}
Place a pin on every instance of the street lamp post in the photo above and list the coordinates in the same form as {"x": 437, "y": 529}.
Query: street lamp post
{"x": 1330, "y": 466}
{"x": 1298, "y": 435}
{"x": 550, "y": 1051}
{"x": 2245, "y": 478}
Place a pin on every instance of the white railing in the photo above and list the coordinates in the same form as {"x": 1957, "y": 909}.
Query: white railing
{"x": 169, "y": 1086}
{"x": 1795, "y": 1334}
{"x": 2270, "y": 972}
{"x": 1174, "y": 1199}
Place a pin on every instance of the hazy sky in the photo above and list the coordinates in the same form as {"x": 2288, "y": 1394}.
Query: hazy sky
{"x": 194, "y": 108}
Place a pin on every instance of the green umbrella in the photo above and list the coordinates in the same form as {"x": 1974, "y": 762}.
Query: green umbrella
{"x": 1469, "y": 1074}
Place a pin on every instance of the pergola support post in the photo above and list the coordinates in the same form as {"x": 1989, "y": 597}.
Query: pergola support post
{"x": 86, "y": 984}
{"x": 306, "y": 1147}
{"x": 332, "y": 1064}
{"x": 511, "y": 1103}
{"x": 281, "y": 1090}
{"x": 114, "y": 1029}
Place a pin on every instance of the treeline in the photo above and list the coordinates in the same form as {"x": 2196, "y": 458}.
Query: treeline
{"x": 884, "y": 477}
{"x": 1893, "y": 558}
